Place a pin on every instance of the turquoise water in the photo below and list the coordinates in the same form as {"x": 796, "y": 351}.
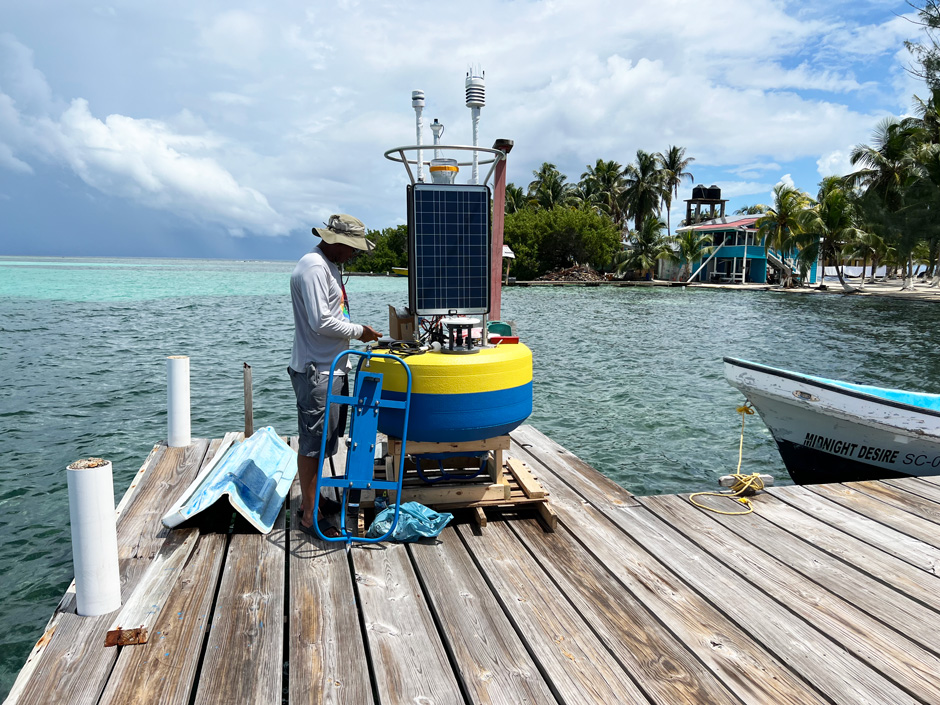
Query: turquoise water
{"x": 631, "y": 380}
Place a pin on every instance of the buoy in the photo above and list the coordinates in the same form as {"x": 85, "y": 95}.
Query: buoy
{"x": 459, "y": 397}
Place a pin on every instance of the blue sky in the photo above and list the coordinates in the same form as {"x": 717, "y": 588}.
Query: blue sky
{"x": 228, "y": 129}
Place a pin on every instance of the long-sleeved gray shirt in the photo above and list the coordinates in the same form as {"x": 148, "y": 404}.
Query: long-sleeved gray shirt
{"x": 322, "y": 328}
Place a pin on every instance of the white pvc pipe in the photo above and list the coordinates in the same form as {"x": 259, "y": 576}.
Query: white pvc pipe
{"x": 475, "y": 172}
{"x": 94, "y": 539}
{"x": 419, "y": 128}
{"x": 177, "y": 402}
{"x": 417, "y": 102}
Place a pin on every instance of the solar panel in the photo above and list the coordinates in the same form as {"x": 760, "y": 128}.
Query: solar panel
{"x": 448, "y": 249}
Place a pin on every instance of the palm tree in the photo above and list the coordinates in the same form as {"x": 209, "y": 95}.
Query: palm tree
{"x": 674, "y": 164}
{"x": 890, "y": 171}
{"x": 866, "y": 246}
{"x": 643, "y": 187}
{"x": 826, "y": 228}
{"x": 888, "y": 167}
{"x": 645, "y": 246}
{"x": 604, "y": 183}
{"x": 692, "y": 246}
{"x": 779, "y": 224}
{"x": 549, "y": 189}
{"x": 756, "y": 209}
{"x": 515, "y": 198}
{"x": 928, "y": 115}
{"x": 879, "y": 226}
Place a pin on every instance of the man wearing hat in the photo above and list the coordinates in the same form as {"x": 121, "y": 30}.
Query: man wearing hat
{"x": 322, "y": 330}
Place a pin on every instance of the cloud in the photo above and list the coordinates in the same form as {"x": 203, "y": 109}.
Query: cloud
{"x": 236, "y": 38}
{"x": 734, "y": 189}
{"x": 20, "y": 79}
{"x": 8, "y": 160}
{"x": 143, "y": 160}
{"x": 835, "y": 163}
{"x": 225, "y": 98}
{"x": 872, "y": 39}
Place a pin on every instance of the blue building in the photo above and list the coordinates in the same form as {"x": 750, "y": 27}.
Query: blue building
{"x": 738, "y": 255}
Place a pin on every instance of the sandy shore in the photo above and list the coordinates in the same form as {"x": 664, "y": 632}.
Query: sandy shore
{"x": 920, "y": 292}
{"x": 892, "y": 287}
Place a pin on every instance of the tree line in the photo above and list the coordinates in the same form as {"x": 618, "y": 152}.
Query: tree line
{"x": 610, "y": 219}
{"x": 554, "y": 224}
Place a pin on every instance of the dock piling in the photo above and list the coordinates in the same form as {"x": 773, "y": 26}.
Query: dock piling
{"x": 178, "y": 433}
{"x": 94, "y": 537}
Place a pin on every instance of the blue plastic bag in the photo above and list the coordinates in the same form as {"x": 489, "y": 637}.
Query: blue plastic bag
{"x": 415, "y": 521}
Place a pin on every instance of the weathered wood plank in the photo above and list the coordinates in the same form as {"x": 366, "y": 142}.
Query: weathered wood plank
{"x": 163, "y": 671}
{"x": 597, "y": 489}
{"x": 418, "y": 447}
{"x": 921, "y": 486}
{"x": 758, "y": 677}
{"x": 824, "y": 663}
{"x": 900, "y": 575}
{"x": 913, "y": 668}
{"x": 901, "y": 498}
{"x": 524, "y": 477}
{"x": 853, "y": 584}
{"x": 155, "y": 454}
{"x": 140, "y": 526}
{"x": 661, "y": 665}
{"x": 908, "y": 532}
{"x": 906, "y": 563}
{"x": 327, "y": 655}
{"x": 491, "y": 661}
{"x": 74, "y": 665}
{"x": 549, "y": 517}
{"x": 408, "y": 657}
{"x": 144, "y": 605}
{"x": 244, "y": 653}
{"x": 578, "y": 665}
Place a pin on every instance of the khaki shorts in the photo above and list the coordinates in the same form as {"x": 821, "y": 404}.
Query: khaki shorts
{"x": 310, "y": 388}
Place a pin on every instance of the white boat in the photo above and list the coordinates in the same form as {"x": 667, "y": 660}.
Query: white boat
{"x": 832, "y": 431}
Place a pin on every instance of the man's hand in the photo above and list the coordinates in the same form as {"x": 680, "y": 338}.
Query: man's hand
{"x": 369, "y": 334}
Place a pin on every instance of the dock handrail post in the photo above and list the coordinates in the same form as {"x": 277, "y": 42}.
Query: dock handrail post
{"x": 94, "y": 537}
{"x": 178, "y": 432}
{"x": 249, "y": 406}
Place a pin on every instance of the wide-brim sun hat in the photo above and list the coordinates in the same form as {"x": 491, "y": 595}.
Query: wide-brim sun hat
{"x": 344, "y": 229}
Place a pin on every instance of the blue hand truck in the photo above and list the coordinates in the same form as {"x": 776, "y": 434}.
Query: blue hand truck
{"x": 365, "y": 404}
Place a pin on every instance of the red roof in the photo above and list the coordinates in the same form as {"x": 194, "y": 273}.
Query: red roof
{"x": 740, "y": 223}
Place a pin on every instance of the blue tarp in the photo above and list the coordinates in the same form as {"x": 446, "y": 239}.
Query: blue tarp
{"x": 415, "y": 521}
{"x": 256, "y": 474}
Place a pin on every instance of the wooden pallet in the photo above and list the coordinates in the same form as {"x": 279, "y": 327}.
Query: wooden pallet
{"x": 506, "y": 482}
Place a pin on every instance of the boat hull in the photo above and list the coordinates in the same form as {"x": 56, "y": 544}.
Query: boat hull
{"x": 827, "y": 433}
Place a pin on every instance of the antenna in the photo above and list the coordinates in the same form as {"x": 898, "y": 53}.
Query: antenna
{"x": 417, "y": 102}
{"x": 476, "y": 99}
{"x": 438, "y": 130}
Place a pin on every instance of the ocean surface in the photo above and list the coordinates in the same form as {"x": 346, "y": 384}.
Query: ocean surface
{"x": 629, "y": 379}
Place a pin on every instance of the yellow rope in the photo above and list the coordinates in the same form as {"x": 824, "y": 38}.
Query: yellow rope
{"x": 744, "y": 485}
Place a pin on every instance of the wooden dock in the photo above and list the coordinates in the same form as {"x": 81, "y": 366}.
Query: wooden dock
{"x": 826, "y": 594}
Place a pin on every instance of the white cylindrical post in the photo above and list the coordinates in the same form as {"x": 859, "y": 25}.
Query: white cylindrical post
{"x": 475, "y": 171}
{"x": 417, "y": 102}
{"x": 177, "y": 401}
{"x": 94, "y": 537}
